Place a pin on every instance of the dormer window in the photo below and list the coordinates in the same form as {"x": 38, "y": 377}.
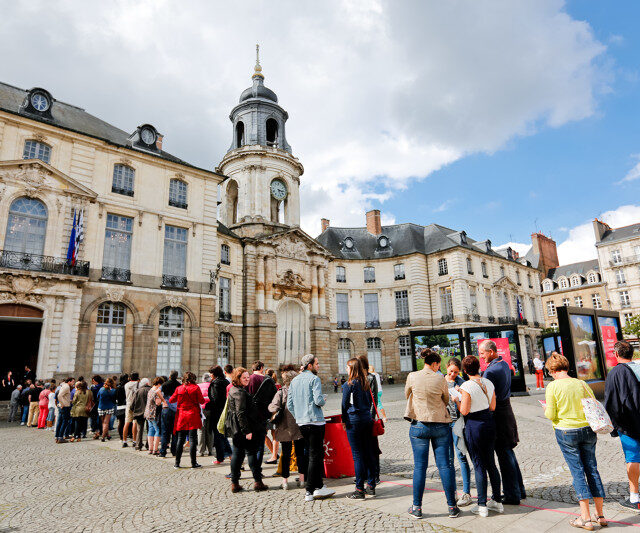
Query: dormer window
{"x": 547, "y": 285}
{"x": 178, "y": 193}
{"x": 383, "y": 242}
{"x": 36, "y": 150}
{"x": 147, "y": 138}
{"x": 575, "y": 281}
{"x": 592, "y": 278}
{"x": 348, "y": 243}
{"x": 38, "y": 102}
{"x": 463, "y": 237}
{"x": 123, "y": 177}
{"x": 564, "y": 284}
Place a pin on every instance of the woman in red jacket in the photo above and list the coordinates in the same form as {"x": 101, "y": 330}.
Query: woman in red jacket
{"x": 188, "y": 421}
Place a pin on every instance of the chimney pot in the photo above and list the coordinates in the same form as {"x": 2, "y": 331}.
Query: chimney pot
{"x": 159, "y": 141}
{"x": 374, "y": 225}
{"x": 325, "y": 223}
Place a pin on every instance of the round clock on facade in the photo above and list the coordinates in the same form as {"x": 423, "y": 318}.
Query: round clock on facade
{"x": 39, "y": 101}
{"x": 278, "y": 190}
{"x": 148, "y": 136}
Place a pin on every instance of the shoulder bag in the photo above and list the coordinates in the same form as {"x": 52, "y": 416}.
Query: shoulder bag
{"x": 378, "y": 424}
{"x": 89, "y": 405}
{"x": 279, "y": 414}
{"x": 595, "y": 413}
{"x": 223, "y": 417}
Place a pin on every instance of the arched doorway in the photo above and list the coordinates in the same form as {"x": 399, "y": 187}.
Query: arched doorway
{"x": 292, "y": 332}
{"x": 20, "y": 327}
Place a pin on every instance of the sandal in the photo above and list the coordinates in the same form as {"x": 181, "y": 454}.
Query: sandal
{"x": 580, "y": 522}
{"x": 600, "y": 520}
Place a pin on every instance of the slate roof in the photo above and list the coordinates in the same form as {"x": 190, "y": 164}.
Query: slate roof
{"x": 76, "y": 119}
{"x": 620, "y": 234}
{"x": 580, "y": 268}
{"x": 226, "y": 231}
{"x": 404, "y": 239}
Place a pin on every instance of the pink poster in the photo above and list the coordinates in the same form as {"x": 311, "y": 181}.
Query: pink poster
{"x": 503, "y": 350}
{"x": 609, "y": 338}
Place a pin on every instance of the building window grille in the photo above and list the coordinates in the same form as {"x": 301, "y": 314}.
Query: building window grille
{"x": 123, "y": 177}
{"x": 170, "y": 337}
{"x": 442, "y": 267}
{"x": 178, "y": 193}
{"x": 37, "y": 150}
{"x": 369, "y": 274}
{"x": 109, "y": 340}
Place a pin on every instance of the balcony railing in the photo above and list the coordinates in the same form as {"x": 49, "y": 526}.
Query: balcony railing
{"x": 505, "y": 320}
{"x": 174, "y": 282}
{"x": 473, "y": 317}
{"x": 625, "y": 305}
{"x": 42, "y": 263}
{"x": 446, "y": 318}
{"x": 178, "y": 203}
{"x": 116, "y": 274}
{"x": 344, "y": 324}
{"x": 120, "y": 190}
{"x": 370, "y": 280}
{"x": 403, "y": 322}
{"x": 621, "y": 283}
{"x": 341, "y": 279}
{"x": 225, "y": 316}
{"x": 523, "y": 321}
{"x": 398, "y": 277}
{"x": 629, "y": 260}
{"x": 372, "y": 324}
{"x": 491, "y": 319}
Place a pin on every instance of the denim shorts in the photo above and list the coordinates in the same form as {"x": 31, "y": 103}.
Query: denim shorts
{"x": 153, "y": 430}
{"x": 631, "y": 449}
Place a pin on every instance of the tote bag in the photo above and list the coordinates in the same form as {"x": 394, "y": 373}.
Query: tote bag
{"x": 595, "y": 413}
{"x": 223, "y": 417}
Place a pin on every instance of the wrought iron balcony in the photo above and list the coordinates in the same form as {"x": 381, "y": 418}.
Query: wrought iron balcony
{"x": 120, "y": 190}
{"x": 344, "y": 324}
{"x": 372, "y": 324}
{"x": 403, "y": 322}
{"x": 174, "y": 282}
{"x": 446, "y": 318}
{"x": 115, "y": 274}
{"x": 178, "y": 203}
{"x": 341, "y": 279}
{"x": 370, "y": 280}
{"x": 491, "y": 319}
{"x": 625, "y": 261}
{"x": 42, "y": 263}
{"x": 505, "y": 320}
{"x": 397, "y": 277}
{"x": 536, "y": 324}
{"x": 474, "y": 317}
{"x": 225, "y": 316}
{"x": 523, "y": 321}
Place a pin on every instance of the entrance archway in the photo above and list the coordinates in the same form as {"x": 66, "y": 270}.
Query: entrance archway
{"x": 20, "y": 327}
{"x": 292, "y": 332}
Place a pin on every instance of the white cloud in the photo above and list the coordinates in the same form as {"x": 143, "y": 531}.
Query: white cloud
{"x": 632, "y": 175}
{"x": 379, "y": 93}
{"x": 519, "y": 247}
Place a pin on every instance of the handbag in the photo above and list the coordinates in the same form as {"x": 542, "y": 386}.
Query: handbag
{"x": 279, "y": 414}
{"x": 595, "y": 413}
{"x": 89, "y": 407}
{"x": 223, "y": 417}
{"x": 378, "y": 424}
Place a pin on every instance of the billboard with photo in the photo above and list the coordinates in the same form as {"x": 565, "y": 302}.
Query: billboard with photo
{"x": 448, "y": 343}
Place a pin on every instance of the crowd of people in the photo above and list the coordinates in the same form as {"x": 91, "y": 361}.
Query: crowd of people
{"x": 461, "y": 413}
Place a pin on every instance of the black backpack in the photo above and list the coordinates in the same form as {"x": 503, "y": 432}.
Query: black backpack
{"x": 263, "y": 396}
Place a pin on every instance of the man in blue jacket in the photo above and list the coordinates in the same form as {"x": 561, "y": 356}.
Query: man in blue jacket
{"x": 304, "y": 402}
{"x": 622, "y": 402}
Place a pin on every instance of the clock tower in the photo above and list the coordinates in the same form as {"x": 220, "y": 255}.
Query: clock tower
{"x": 262, "y": 192}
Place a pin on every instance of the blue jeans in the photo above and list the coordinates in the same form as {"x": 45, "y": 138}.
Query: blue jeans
{"x": 480, "y": 434}
{"x": 153, "y": 430}
{"x": 362, "y": 443}
{"x": 579, "y": 449}
{"x": 25, "y": 413}
{"x": 63, "y": 424}
{"x": 221, "y": 445}
{"x": 168, "y": 418}
{"x": 464, "y": 464}
{"x": 439, "y": 435}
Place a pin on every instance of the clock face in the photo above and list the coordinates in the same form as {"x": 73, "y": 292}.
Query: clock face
{"x": 147, "y": 136}
{"x": 278, "y": 190}
{"x": 39, "y": 101}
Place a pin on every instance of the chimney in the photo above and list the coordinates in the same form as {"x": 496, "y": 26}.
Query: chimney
{"x": 324, "y": 222}
{"x": 373, "y": 222}
{"x": 546, "y": 248}
{"x": 600, "y": 228}
{"x": 159, "y": 141}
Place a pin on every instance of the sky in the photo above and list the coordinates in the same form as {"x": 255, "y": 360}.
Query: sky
{"x": 500, "y": 117}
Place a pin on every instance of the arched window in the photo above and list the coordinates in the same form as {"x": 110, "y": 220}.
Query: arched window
{"x": 37, "y": 150}
{"x": 345, "y": 349}
{"x": 225, "y": 254}
{"x": 178, "y": 193}
{"x": 232, "y": 202}
{"x": 170, "y": 336}
{"x": 272, "y": 132}
{"x": 109, "y": 341}
{"x": 564, "y": 284}
{"x": 123, "y": 177}
{"x": 374, "y": 353}
{"x": 26, "y": 227}
{"x": 225, "y": 348}
{"x": 239, "y": 134}
{"x": 404, "y": 345}
{"x": 575, "y": 281}
{"x": 592, "y": 277}
{"x": 547, "y": 285}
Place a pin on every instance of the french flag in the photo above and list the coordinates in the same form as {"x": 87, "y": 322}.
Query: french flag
{"x": 520, "y": 310}
{"x": 72, "y": 251}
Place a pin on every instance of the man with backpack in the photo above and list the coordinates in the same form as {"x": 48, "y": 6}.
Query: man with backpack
{"x": 262, "y": 389}
{"x": 622, "y": 402}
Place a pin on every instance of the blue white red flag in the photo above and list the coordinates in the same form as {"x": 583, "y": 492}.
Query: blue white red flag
{"x": 72, "y": 251}
{"x": 520, "y": 310}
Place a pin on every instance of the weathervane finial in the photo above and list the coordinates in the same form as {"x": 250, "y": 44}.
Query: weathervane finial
{"x": 258, "y": 68}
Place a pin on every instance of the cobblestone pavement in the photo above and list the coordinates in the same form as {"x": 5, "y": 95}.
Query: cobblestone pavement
{"x": 94, "y": 486}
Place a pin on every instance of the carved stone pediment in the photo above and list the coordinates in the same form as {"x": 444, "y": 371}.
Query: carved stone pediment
{"x": 292, "y": 247}
{"x": 295, "y": 244}
{"x": 505, "y": 282}
{"x": 22, "y": 286}
{"x": 174, "y": 301}
{"x": 115, "y": 294}
{"x": 292, "y": 285}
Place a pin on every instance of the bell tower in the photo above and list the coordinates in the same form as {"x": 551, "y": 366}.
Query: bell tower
{"x": 262, "y": 192}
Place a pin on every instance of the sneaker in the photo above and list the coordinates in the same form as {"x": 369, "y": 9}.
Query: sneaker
{"x": 631, "y": 505}
{"x": 22, "y": 423}
{"x": 177, "y": 467}
{"x": 416, "y": 512}
{"x": 228, "y": 476}
{"x": 356, "y": 495}
{"x": 308, "y": 497}
{"x": 454, "y": 512}
{"x": 285, "y": 484}
{"x": 216, "y": 462}
{"x": 495, "y": 506}
{"x": 196, "y": 465}
{"x": 322, "y": 493}
{"x": 464, "y": 500}
{"x": 481, "y": 510}
{"x": 125, "y": 445}
{"x": 370, "y": 491}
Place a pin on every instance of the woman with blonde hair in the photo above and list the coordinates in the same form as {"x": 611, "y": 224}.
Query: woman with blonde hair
{"x": 81, "y": 406}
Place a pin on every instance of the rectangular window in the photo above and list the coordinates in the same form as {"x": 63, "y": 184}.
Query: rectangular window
{"x": 483, "y": 267}
{"x": 616, "y": 257}
{"x": 374, "y": 353}
{"x": 402, "y": 308}
{"x": 578, "y": 301}
{"x": 565, "y": 302}
{"x": 446, "y": 304}
{"x": 342, "y": 310}
{"x": 344, "y": 354}
{"x": 518, "y": 277}
{"x": 488, "y": 303}
{"x": 123, "y": 177}
{"x": 620, "y": 278}
{"x": 506, "y": 305}
{"x": 371, "y": 316}
{"x": 224, "y": 348}
{"x": 178, "y": 194}
{"x": 551, "y": 309}
{"x": 175, "y": 252}
{"x": 117, "y": 248}
{"x": 502, "y": 273}
{"x": 529, "y": 281}
{"x": 341, "y": 274}
{"x": 442, "y": 267}
{"x": 626, "y": 317}
{"x": 625, "y": 300}
{"x": 109, "y": 340}
{"x": 597, "y": 302}
{"x": 225, "y": 254}
{"x": 534, "y": 309}
{"x": 369, "y": 274}
{"x": 469, "y": 266}
{"x": 398, "y": 271}
{"x": 404, "y": 343}
{"x": 473, "y": 301}
{"x": 225, "y": 299}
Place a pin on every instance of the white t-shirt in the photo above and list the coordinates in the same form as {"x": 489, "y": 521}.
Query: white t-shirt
{"x": 52, "y": 400}
{"x": 479, "y": 399}
{"x": 538, "y": 365}
{"x": 378, "y": 380}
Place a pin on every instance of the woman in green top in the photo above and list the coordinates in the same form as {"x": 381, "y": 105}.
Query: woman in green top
{"x": 576, "y": 439}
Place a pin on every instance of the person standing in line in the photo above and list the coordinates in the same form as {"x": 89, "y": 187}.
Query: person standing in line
{"x": 14, "y": 405}
{"x": 43, "y": 404}
{"x": 243, "y": 426}
{"x": 34, "y": 404}
{"x": 217, "y": 394}
{"x": 454, "y": 382}
{"x": 499, "y": 373}
{"x": 138, "y": 406}
{"x": 373, "y": 385}
{"x": 287, "y": 431}
{"x": 539, "y": 367}
{"x": 106, "y": 406}
{"x": 205, "y": 435}
{"x": 272, "y": 444}
{"x": 121, "y": 404}
{"x": 152, "y": 414}
{"x": 262, "y": 389}
{"x": 357, "y": 400}
{"x": 24, "y": 401}
{"x": 8, "y": 385}
{"x": 64, "y": 419}
{"x": 576, "y": 439}
{"x": 372, "y": 372}
{"x": 168, "y": 439}
{"x": 622, "y": 402}
{"x": 188, "y": 399}
{"x": 305, "y": 401}
{"x": 130, "y": 389}
{"x": 427, "y": 399}
{"x": 477, "y": 404}
{"x": 29, "y": 375}
{"x": 228, "y": 372}
{"x": 80, "y": 408}
{"x": 94, "y": 416}
{"x": 51, "y": 417}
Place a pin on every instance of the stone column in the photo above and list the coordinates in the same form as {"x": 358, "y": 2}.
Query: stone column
{"x": 314, "y": 289}
{"x": 65, "y": 342}
{"x": 260, "y": 283}
{"x": 269, "y": 273}
{"x": 321, "y": 298}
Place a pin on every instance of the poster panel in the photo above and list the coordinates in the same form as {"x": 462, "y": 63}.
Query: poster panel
{"x": 609, "y": 333}
{"x": 549, "y": 345}
{"x": 503, "y": 350}
{"x": 588, "y": 365}
{"x": 448, "y": 345}
{"x": 507, "y": 335}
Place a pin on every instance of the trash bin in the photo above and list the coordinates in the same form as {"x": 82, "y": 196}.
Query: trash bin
{"x": 338, "y": 461}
